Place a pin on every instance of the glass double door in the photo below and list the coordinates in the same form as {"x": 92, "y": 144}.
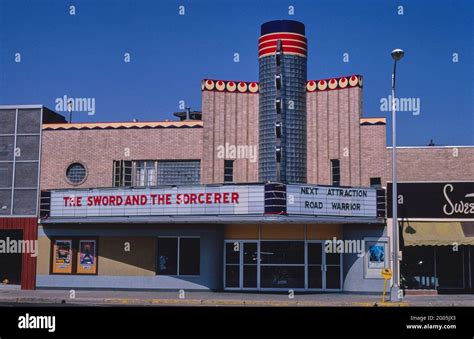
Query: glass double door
{"x": 241, "y": 264}
{"x": 324, "y": 270}
{"x": 270, "y": 265}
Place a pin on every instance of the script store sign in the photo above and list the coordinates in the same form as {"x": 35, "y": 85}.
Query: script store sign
{"x": 185, "y": 200}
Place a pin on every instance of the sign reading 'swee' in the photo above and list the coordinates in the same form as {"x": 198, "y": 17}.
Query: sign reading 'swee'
{"x": 331, "y": 201}
{"x": 185, "y": 200}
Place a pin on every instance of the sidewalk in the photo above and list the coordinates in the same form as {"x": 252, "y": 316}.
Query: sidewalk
{"x": 173, "y": 298}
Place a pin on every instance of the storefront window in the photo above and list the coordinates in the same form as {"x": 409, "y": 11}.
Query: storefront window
{"x": 282, "y": 264}
{"x": 232, "y": 267}
{"x": 167, "y": 256}
{"x": 189, "y": 258}
{"x": 186, "y": 263}
{"x": 282, "y": 276}
{"x": 282, "y": 252}
{"x": 449, "y": 267}
{"x": 418, "y": 267}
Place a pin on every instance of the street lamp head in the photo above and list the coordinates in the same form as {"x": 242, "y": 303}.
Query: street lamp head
{"x": 397, "y": 54}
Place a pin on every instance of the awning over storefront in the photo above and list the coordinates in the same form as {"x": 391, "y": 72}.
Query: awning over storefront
{"x": 438, "y": 233}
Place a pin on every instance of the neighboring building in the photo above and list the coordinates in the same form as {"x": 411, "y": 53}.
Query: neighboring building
{"x": 20, "y": 160}
{"x": 436, "y": 218}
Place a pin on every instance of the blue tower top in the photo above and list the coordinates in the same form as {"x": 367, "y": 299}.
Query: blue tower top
{"x": 289, "y": 26}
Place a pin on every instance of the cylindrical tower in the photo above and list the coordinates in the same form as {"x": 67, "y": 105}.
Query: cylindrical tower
{"x": 282, "y": 112}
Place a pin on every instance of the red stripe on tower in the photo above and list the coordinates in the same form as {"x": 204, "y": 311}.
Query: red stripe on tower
{"x": 292, "y": 43}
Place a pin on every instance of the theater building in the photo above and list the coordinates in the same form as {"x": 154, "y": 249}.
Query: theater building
{"x": 242, "y": 199}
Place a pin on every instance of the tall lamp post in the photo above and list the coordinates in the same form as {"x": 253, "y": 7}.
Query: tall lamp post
{"x": 397, "y": 55}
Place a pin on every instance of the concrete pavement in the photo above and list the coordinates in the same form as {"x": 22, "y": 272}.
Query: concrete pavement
{"x": 195, "y": 298}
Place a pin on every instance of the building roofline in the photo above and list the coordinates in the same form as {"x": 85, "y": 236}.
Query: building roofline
{"x": 122, "y": 125}
{"x": 373, "y": 121}
{"x": 23, "y": 106}
{"x": 431, "y": 147}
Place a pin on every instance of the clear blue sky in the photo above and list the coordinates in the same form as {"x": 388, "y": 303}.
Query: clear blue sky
{"x": 82, "y": 55}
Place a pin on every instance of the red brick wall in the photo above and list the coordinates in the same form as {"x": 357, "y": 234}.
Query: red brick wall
{"x": 97, "y": 149}
{"x": 432, "y": 163}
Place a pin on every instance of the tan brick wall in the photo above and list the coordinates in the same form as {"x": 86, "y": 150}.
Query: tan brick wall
{"x": 97, "y": 149}
{"x": 333, "y": 132}
{"x": 373, "y": 146}
{"x": 229, "y": 118}
{"x": 432, "y": 163}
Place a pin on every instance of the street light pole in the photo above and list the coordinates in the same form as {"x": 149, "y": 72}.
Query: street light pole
{"x": 397, "y": 54}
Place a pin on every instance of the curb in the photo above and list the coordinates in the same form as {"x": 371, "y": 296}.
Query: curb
{"x": 196, "y": 302}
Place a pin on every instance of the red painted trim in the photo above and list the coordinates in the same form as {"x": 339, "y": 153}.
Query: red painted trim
{"x": 29, "y": 227}
{"x": 280, "y": 36}
{"x": 284, "y": 44}
{"x": 285, "y": 49}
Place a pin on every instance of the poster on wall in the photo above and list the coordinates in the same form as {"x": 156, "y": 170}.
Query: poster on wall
{"x": 377, "y": 256}
{"x": 62, "y": 256}
{"x": 87, "y": 261}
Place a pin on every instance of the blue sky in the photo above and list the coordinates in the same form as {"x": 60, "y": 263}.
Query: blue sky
{"x": 83, "y": 55}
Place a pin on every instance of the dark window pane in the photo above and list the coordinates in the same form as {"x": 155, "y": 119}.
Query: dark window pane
{"x": 335, "y": 172}
{"x": 333, "y": 259}
{"x": 449, "y": 267}
{"x": 282, "y": 276}
{"x": 315, "y": 277}
{"x": 315, "y": 253}
{"x": 250, "y": 253}
{"x": 6, "y": 148}
{"x": 375, "y": 182}
{"x": 29, "y": 121}
{"x": 27, "y": 147}
{"x": 228, "y": 170}
{"x": 7, "y": 121}
{"x": 250, "y": 275}
{"x": 24, "y": 202}
{"x": 333, "y": 277}
{"x": 167, "y": 249}
{"x": 282, "y": 252}
{"x": 5, "y": 201}
{"x": 6, "y": 174}
{"x": 26, "y": 174}
{"x": 189, "y": 256}
{"x": 127, "y": 173}
{"x": 417, "y": 267}
{"x": 232, "y": 254}
{"x": 232, "y": 276}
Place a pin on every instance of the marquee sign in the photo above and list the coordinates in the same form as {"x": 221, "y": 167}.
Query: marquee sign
{"x": 331, "y": 201}
{"x": 434, "y": 200}
{"x": 183, "y": 200}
